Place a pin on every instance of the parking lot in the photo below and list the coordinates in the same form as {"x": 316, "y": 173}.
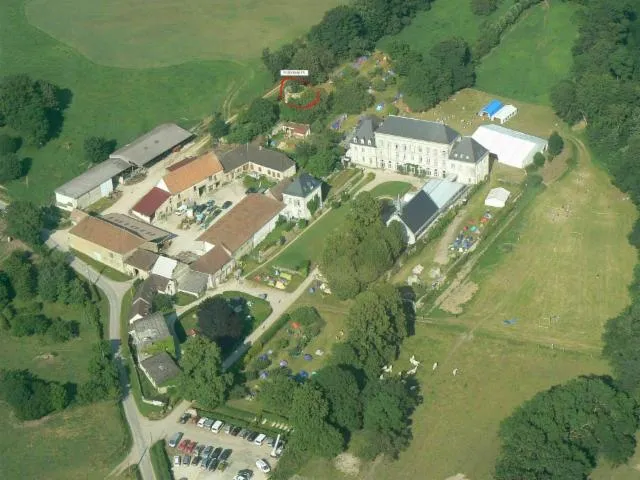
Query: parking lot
{"x": 244, "y": 454}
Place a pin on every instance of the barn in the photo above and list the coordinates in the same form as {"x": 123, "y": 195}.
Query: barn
{"x": 512, "y": 148}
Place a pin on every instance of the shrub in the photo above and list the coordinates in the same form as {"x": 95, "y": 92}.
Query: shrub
{"x": 302, "y": 223}
{"x": 238, "y": 392}
{"x": 251, "y": 375}
{"x": 283, "y": 343}
{"x": 538, "y": 159}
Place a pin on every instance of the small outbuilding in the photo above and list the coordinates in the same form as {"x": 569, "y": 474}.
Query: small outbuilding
{"x": 497, "y": 197}
{"x": 160, "y": 370}
{"x": 491, "y": 108}
{"x": 505, "y": 113}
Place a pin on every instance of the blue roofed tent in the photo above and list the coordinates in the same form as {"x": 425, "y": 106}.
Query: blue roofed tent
{"x": 491, "y": 108}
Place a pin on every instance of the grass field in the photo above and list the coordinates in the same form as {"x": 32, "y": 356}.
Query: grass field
{"x": 152, "y": 33}
{"x": 533, "y": 56}
{"x": 445, "y": 19}
{"x": 70, "y": 443}
{"x": 390, "y": 189}
{"x": 122, "y": 103}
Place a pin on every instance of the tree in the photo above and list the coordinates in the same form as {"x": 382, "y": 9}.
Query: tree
{"x": 484, "y": 7}
{"x": 27, "y": 325}
{"x": 622, "y": 347}
{"x": 262, "y": 113}
{"x": 313, "y": 204}
{"x": 162, "y": 303}
{"x": 77, "y": 294}
{"x": 218, "y": 127}
{"x": 277, "y": 393}
{"x": 98, "y": 149}
{"x": 322, "y": 163}
{"x": 308, "y": 414}
{"x": 556, "y": 144}
{"x": 53, "y": 277}
{"x": 278, "y": 60}
{"x": 561, "y": 432}
{"x": 30, "y": 397}
{"x": 341, "y": 390}
{"x": 62, "y": 330}
{"x": 563, "y": 99}
{"x": 376, "y": 326}
{"x": 364, "y": 212}
{"x": 9, "y": 144}
{"x": 10, "y": 167}
{"x": 103, "y": 381}
{"x": 317, "y": 59}
{"x": 339, "y": 27}
{"x": 21, "y": 273}
{"x": 218, "y": 322}
{"x": 202, "y": 379}
{"x": 352, "y": 96}
{"x": 25, "y": 221}
{"x": 539, "y": 159}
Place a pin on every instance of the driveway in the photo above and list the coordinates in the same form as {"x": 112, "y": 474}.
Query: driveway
{"x": 244, "y": 454}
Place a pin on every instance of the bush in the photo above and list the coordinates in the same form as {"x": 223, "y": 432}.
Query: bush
{"x": 539, "y": 159}
{"x": 9, "y": 144}
{"x": 251, "y": 375}
{"x": 238, "y": 392}
{"x": 283, "y": 343}
{"x": 336, "y": 204}
{"x": 61, "y": 330}
{"x": 302, "y": 223}
{"x": 261, "y": 363}
{"x": 27, "y": 325}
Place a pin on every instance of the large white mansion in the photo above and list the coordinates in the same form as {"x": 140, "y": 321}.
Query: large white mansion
{"x": 418, "y": 146}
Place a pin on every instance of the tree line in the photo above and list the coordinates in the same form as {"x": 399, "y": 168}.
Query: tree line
{"x": 563, "y": 432}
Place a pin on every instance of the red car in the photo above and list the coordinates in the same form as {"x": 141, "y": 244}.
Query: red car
{"x": 189, "y": 449}
{"x": 184, "y": 443}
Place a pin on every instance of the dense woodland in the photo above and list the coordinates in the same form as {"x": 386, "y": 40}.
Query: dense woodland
{"x": 593, "y": 417}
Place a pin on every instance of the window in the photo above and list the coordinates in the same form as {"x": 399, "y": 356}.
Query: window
{"x": 444, "y": 174}
{"x": 210, "y": 177}
{"x": 420, "y": 149}
{"x": 435, "y": 172}
{"x": 362, "y": 140}
{"x": 369, "y": 142}
{"x": 428, "y": 172}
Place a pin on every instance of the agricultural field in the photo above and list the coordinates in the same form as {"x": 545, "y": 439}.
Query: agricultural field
{"x": 533, "y": 55}
{"x": 182, "y": 83}
{"x": 445, "y": 19}
{"x": 69, "y": 441}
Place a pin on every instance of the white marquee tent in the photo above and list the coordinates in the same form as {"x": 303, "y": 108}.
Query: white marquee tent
{"x": 497, "y": 197}
{"x": 511, "y": 147}
{"x": 505, "y": 113}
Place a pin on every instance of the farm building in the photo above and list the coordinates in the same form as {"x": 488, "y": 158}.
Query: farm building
{"x": 160, "y": 369}
{"x": 244, "y": 227}
{"x": 263, "y": 161}
{"x": 296, "y": 130}
{"x": 149, "y": 204}
{"x": 418, "y": 211}
{"x": 149, "y": 331}
{"x": 150, "y": 233}
{"x": 497, "y": 197}
{"x": 153, "y": 145}
{"x": 505, "y": 114}
{"x": 511, "y": 147}
{"x": 140, "y": 263}
{"x": 216, "y": 264}
{"x": 490, "y": 109}
{"x": 89, "y": 187}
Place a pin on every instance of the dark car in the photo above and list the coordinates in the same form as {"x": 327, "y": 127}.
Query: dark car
{"x": 213, "y": 465}
{"x": 235, "y": 431}
{"x": 184, "y": 418}
{"x": 195, "y": 462}
{"x": 227, "y": 204}
{"x": 226, "y": 453}
{"x": 252, "y": 436}
{"x": 243, "y": 433}
{"x": 216, "y": 453}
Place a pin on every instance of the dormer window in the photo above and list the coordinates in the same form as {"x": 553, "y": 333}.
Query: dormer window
{"x": 369, "y": 142}
{"x": 362, "y": 141}
{"x": 355, "y": 139}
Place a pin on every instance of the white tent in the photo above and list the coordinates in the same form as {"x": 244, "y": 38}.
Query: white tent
{"x": 512, "y": 148}
{"x": 505, "y": 113}
{"x": 497, "y": 197}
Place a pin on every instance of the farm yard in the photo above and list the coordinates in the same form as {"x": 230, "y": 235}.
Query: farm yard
{"x": 533, "y": 56}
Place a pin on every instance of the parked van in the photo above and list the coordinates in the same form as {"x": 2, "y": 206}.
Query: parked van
{"x": 175, "y": 438}
{"x": 260, "y": 439}
{"x": 215, "y": 428}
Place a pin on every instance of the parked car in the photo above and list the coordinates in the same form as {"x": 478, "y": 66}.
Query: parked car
{"x": 226, "y": 453}
{"x": 228, "y": 429}
{"x": 245, "y": 474}
{"x": 175, "y": 438}
{"x": 204, "y": 464}
{"x": 262, "y": 465}
{"x": 213, "y": 465}
{"x": 191, "y": 447}
{"x": 206, "y": 453}
{"x": 217, "y": 426}
{"x": 177, "y": 460}
{"x": 186, "y": 460}
{"x": 251, "y": 190}
{"x": 223, "y": 466}
{"x": 202, "y": 421}
{"x": 183, "y": 444}
{"x": 278, "y": 451}
{"x": 196, "y": 461}
{"x": 252, "y": 436}
{"x": 259, "y": 440}
{"x": 227, "y": 204}
{"x": 243, "y": 433}
{"x": 216, "y": 453}
{"x": 209, "y": 423}
{"x": 199, "y": 449}
{"x": 263, "y": 296}
{"x": 235, "y": 431}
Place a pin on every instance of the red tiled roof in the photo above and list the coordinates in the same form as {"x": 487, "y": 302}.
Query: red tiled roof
{"x": 190, "y": 173}
{"x": 148, "y": 204}
{"x": 111, "y": 237}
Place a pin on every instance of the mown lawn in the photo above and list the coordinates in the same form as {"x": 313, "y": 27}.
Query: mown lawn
{"x": 390, "y": 189}
{"x": 533, "y": 56}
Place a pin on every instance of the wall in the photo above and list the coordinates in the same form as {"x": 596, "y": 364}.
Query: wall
{"x": 418, "y": 152}
{"x": 301, "y": 210}
{"x": 101, "y": 254}
{"x": 363, "y": 154}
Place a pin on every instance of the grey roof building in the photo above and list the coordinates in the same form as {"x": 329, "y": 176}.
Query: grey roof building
{"x": 149, "y": 330}
{"x": 419, "y": 212}
{"x": 264, "y": 157}
{"x": 142, "y": 229}
{"x": 92, "y": 178}
{"x": 466, "y": 149}
{"x": 365, "y": 131}
{"x": 142, "y": 260}
{"x": 153, "y": 144}
{"x": 192, "y": 282}
{"x": 302, "y": 185}
{"x": 159, "y": 369}
{"x": 418, "y": 129}
{"x": 141, "y": 305}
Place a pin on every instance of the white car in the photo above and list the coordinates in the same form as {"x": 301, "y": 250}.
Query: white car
{"x": 202, "y": 421}
{"x": 260, "y": 439}
{"x": 262, "y": 465}
{"x": 177, "y": 460}
{"x": 217, "y": 425}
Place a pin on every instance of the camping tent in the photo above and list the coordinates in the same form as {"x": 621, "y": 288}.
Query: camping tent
{"x": 505, "y": 113}
{"x": 497, "y": 197}
{"x": 490, "y": 108}
{"x": 512, "y": 148}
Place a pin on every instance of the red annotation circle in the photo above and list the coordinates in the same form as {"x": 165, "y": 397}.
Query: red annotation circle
{"x": 302, "y": 81}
